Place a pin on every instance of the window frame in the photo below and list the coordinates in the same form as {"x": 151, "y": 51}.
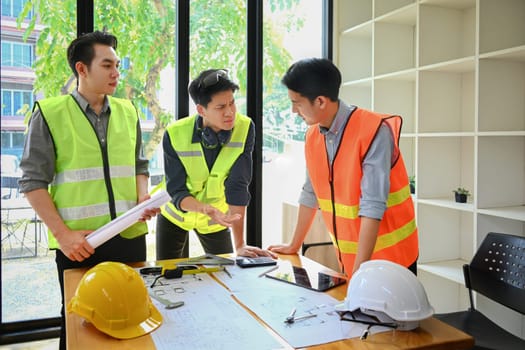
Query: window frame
{"x": 14, "y": 12}
{"x": 12, "y": 102}
{"x": 10, "y": 53}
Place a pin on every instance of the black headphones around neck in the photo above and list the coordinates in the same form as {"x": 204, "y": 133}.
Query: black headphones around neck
{"x": 211, "y": 139}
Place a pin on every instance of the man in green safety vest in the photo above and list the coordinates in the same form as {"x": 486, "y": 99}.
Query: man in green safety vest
{"x": 208, "y": 167}
{"x": 82, "y": 164}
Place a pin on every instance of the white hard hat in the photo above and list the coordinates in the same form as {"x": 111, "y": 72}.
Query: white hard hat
{"x": 388, "y": 291}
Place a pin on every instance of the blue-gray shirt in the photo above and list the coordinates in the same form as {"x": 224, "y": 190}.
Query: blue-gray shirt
{"x": 38, "y": 158}
{"x": 375, "y": 183}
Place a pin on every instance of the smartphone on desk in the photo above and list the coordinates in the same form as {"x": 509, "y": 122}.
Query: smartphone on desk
{"x": 244, "y": 261}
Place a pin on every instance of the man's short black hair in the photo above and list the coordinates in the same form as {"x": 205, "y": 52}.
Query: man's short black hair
{"x": 82, "y": 48}
{"x": 313, "y": 77}
{"x": 208, "y": 83}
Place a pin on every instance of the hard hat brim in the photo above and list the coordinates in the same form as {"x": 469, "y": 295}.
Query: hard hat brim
{"x": 148, "y": 325}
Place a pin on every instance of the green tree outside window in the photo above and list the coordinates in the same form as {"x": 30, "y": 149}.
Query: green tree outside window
{"x": 146, "y": 34}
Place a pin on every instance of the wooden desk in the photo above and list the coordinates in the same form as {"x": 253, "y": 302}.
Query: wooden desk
{"x": 432, "y": 333}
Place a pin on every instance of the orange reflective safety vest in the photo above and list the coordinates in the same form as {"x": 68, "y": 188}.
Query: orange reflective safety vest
{"x": 338, "y": 191}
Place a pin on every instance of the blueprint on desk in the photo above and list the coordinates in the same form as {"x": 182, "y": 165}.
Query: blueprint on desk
{"x": 212, "y": 319}
{"x": 209, "y": 319}
{"x": 273, "y": 301}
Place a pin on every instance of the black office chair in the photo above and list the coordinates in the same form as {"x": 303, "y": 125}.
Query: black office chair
{"x": 498, "y": 272}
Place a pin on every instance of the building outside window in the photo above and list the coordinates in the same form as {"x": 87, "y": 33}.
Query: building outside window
{"x": 13, "y": 8}
{"x": 17, "y": 54}
{"x": 29, "y": 280}
{"x": 13, "y": 101}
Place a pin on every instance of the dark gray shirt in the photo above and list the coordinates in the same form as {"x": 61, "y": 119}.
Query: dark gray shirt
{"x": 375, "y": 183}
{"x": 38, "y": 158}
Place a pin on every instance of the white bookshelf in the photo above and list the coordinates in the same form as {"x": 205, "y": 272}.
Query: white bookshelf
{"x": 455, "y": 71}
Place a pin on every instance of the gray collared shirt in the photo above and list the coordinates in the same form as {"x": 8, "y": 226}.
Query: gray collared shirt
{"x": 375, "y": 183}
{"x": 38, "y": 158}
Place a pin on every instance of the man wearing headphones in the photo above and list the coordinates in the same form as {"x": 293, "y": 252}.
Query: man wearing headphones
{"x": 208, "y": 167}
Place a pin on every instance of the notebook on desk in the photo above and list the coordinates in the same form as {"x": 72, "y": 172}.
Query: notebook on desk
{"x": 311, "y": 278}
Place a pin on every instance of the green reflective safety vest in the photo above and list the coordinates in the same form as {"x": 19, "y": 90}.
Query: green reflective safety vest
{"x": 90, "y": 179}
{"x": 205, "y": 185}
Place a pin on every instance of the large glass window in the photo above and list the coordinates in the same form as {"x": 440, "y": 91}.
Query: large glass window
{"x": 283, "y": 156}
{"x": 146, "y": 47}
{"x": 30, "y": 288}
{"x": 218, "y": 40}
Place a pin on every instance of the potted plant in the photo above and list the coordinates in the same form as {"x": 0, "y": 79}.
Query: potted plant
{"x": 461, "y": 194}
{"x": 412, "y": 183}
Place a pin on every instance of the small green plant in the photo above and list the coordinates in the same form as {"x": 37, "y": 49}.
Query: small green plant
{"x": 461, "y": 190}
{"x": 461, "y": 194}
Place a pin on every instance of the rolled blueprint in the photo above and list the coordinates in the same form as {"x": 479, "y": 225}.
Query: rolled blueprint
{"x": 114, "y": 227}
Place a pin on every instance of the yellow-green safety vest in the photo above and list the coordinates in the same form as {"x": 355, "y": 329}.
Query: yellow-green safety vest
{"x": 205, "y": 185}
{"x": 90, "y": 180}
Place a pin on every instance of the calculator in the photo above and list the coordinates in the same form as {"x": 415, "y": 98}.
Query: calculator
{"x": 244, "y": 261}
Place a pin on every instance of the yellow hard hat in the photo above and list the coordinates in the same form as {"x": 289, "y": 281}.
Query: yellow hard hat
{"x": 113, "y": 297}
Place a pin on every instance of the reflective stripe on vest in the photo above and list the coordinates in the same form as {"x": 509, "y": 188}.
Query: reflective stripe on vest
{"x": 77, "y": 175}
{"x": 205, "y": 185}
{"x": 384, "y": 241}
{"x": 88, "y": 211}
{"x": 352, "y": 211}
{"x": 338, "y": 191}
{"x": 80, "y": 188}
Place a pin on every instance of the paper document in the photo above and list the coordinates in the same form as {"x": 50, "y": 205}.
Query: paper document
{"x": 273, "y": 301}
{"x": 114, "y": 227}
{"x": 209, "y": 319}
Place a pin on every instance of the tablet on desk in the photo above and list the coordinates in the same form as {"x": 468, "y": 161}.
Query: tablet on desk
{"x": 319, "y": 280}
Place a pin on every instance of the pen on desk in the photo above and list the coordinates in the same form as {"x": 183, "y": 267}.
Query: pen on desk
{"x": 270, "y": 270}
{"x": 226, "y": 271}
